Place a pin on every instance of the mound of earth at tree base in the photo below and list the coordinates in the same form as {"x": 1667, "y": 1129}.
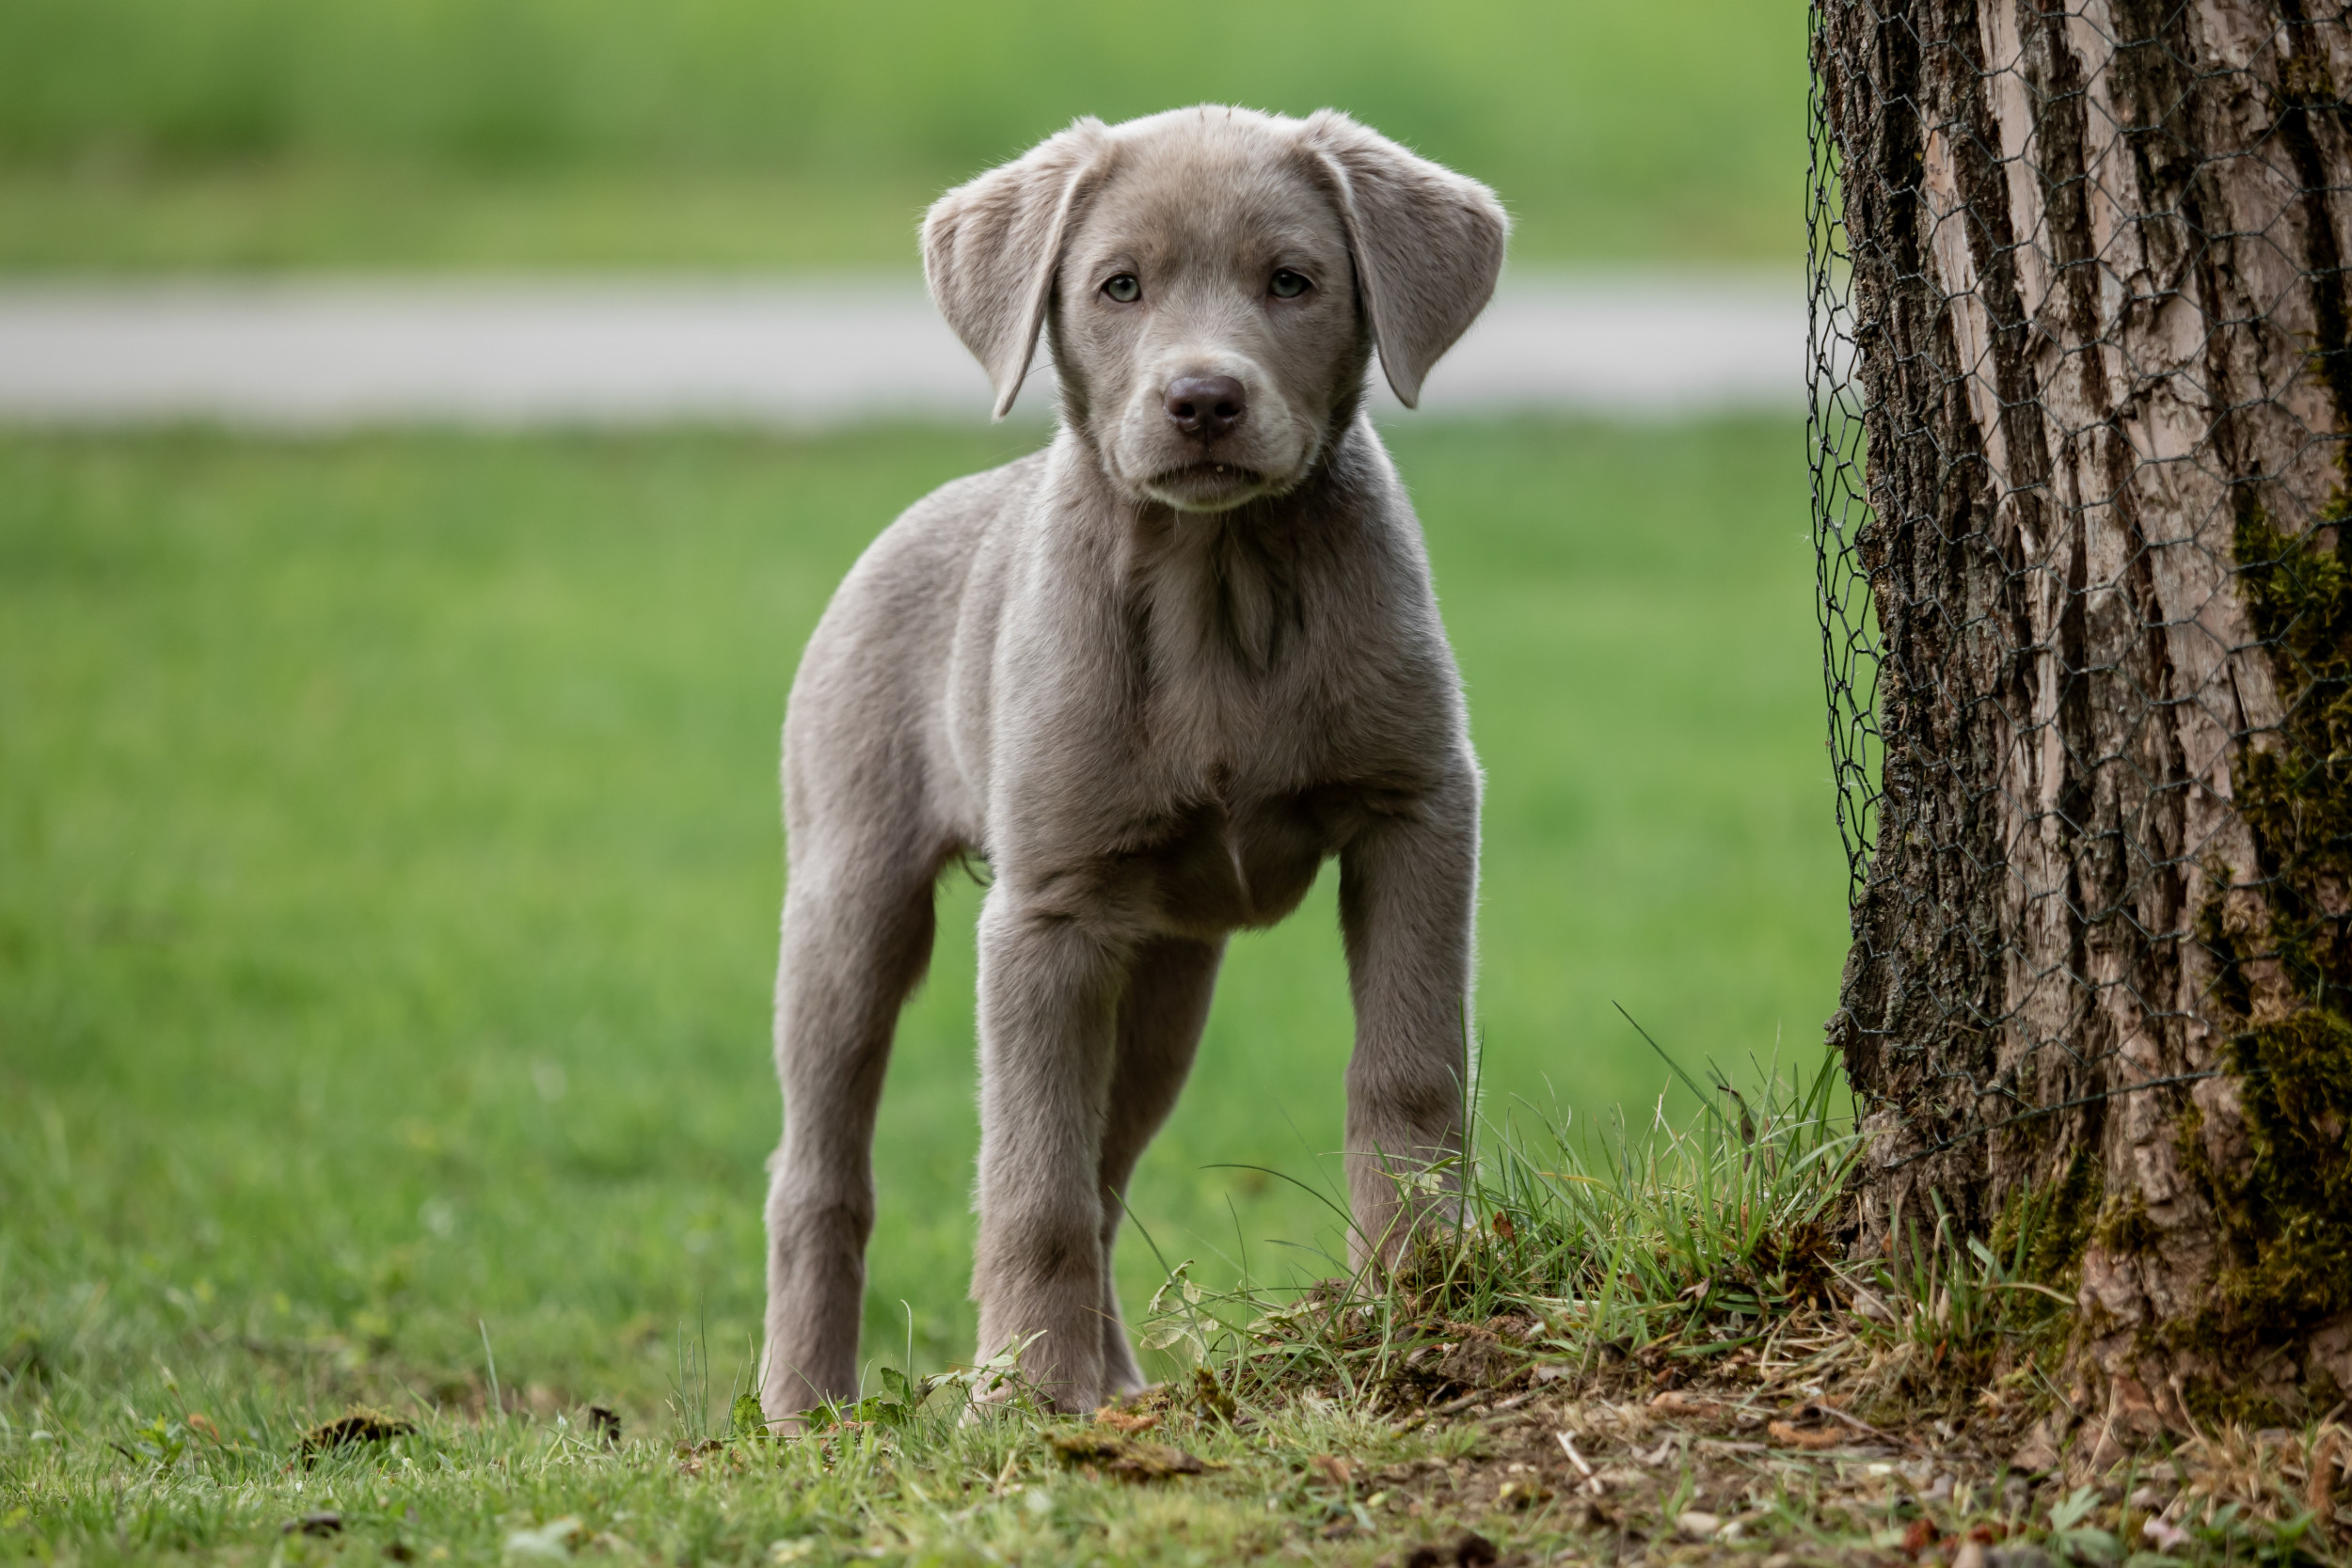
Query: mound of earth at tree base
{"x": 1823, "y": 1439}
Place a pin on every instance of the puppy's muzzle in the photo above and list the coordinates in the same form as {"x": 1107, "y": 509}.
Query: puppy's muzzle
{"x": 1206, "y": 408}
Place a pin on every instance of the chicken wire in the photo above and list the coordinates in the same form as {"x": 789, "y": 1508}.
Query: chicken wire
{"x": 2079, "y": 379}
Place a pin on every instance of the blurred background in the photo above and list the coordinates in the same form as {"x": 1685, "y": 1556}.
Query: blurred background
{"x": 576, "y": 134}
{"x": 387, "y": 812}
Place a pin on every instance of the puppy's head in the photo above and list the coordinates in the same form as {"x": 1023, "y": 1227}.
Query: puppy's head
{"x": 1216, "y": 281}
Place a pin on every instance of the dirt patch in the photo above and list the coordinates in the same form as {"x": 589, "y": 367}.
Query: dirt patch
{"x": 1809, "y": 1445}
{"x": 1113, "y": 1454}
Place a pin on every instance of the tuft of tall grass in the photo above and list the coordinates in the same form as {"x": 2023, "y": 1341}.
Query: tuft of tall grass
{"x": 1720, "y": 1222}
{"x": 1956, "y": 1311}
{"x": 1651, "y": 1254}
{"x": 1664, "y": 1244}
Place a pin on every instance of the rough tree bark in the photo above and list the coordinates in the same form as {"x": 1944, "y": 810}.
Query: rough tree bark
{"x": 2102, "y": 967}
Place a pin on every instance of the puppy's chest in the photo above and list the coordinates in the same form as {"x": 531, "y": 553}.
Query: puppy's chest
{"x": 1259, "y": 744}
{"x": 1202, "y": 734}
{"x": 1212, "y": 864}
{"x": 1313, "y": 708}
{"x": 1242, "y": 788}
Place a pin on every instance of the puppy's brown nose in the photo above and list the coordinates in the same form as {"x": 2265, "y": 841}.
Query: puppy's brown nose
{"x": 1206, "y": 407}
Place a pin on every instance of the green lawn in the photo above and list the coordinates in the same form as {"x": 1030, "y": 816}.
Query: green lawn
{"x": 734, "y": 132}
{"x": 389, "y": 866}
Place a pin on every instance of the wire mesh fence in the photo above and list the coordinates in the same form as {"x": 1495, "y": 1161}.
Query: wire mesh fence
{"x": 2079, "y": 383}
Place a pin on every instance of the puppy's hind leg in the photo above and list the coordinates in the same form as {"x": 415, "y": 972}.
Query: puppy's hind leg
{"x": 858, "y": 922}
{"x": 1160, "y": 1016}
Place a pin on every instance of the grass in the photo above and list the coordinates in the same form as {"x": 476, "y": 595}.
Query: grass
{"x": 392, "y": 866}
{"x": 1462, "y": 1412}
{"x": 373, "y": 214}
{"x": 725, "y": 132}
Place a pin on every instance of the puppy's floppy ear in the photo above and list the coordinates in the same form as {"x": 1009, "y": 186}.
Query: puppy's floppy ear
{"x": 1428, "y": 244}
{"x": 991, "y": 248}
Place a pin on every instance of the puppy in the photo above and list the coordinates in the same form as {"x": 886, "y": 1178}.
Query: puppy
{"x": 1156, "y": 674}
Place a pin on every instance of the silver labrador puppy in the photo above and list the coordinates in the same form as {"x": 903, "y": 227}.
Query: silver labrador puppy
{"x": 1156, "y": 674}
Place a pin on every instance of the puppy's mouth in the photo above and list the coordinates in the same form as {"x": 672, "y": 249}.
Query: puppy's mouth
{"x": 1206, "y": 486}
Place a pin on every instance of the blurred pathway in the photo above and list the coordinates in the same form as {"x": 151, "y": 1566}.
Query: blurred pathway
{"x": 322, "y": 355}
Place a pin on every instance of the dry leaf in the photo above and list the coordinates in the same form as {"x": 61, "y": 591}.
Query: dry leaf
{"x": 1805, "y": 1437}
{"x": 2320, "y": 1489}
{"x": 1332, "y": 1468}
{"x": 1127, "y": 1422}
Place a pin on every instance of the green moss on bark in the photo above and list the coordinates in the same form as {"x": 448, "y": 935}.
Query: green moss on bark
{"x": 2285, "y": 1214}
{"x": 2297, "y": 793}
{"x": 2125, "y": 1230}
{"x": 2296, "y": 1205}
{"x": 2053, "y": 1223}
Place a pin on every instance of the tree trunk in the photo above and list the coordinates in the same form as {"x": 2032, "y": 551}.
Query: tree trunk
{"x": 2102, "y": 966}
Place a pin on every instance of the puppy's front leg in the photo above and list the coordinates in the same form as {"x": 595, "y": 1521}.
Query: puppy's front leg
{"x": 1160, "y": 1015}
{"x": 1049, "y": 996}
{"x": 1408, "y": 889}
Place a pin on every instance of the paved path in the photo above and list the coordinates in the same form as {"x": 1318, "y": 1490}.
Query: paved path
{"x": 322, "y": 355}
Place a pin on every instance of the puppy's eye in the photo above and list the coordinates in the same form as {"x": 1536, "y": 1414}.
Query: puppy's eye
{"x": 1124, "y": 289}
{"x": 1287, "y": 284}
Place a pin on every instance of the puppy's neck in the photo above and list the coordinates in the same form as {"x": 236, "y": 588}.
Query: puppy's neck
{"x": 1210, "y": 586}
{"x": 1228, "y": 588}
